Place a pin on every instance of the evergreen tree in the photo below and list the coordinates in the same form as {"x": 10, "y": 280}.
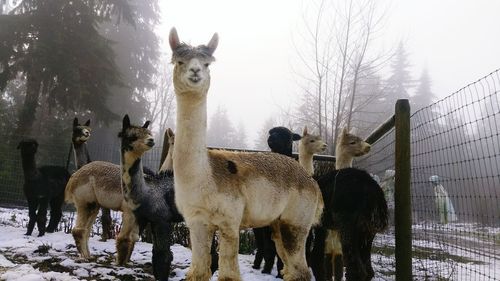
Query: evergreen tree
{"x": 400, "y": 81}
{"x": 423, "y": 94}
{"x": 57, "y": 47}
{"x": 221, "y": 132}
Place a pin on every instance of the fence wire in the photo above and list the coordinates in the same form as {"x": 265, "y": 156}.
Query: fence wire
{"x": 455, "y": 154}
{"x": 455, "y": 158}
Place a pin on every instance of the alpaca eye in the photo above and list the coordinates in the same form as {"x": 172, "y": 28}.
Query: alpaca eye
{"x": 352, "y": 142}
{"x": 207, "y": 64}
{"x": 312, "y": 140}
{"x": 180, "y": 63}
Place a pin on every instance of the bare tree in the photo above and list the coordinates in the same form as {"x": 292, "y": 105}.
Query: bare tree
{"x": 160, "y": 102}
{"x": 337, "y": 52}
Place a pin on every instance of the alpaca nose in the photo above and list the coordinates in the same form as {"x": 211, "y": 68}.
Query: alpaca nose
{"x": 195, "y": 70}
{"x": 150, "y": 142}
{"x": 367, "y": 148}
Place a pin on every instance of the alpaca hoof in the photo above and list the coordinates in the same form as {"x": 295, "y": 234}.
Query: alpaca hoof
{"x": 279, "y": 276}
{"x": 41, "y": 234}
{"x": 266, "y": 271}
{"x": 256, "y": 267}
{"x": 28, "y": 234}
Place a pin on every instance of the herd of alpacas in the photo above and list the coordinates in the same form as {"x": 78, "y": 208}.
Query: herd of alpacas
{"x": 308, "y": 217}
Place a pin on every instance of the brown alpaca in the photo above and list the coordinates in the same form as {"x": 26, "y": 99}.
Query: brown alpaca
{"x": 95, "y": 185}
{"x": 79, "y": 138}
{"x": 168, "y": 163}
{"x": 229, "y": 191}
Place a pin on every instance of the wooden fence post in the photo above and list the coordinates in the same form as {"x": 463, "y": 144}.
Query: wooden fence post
{"x": 402, "y": 195}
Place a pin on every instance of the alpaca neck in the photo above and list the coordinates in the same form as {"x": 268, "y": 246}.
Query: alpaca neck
{"x": 133, "y": 177}
{"x": 190, "y": 153}
{"x": 81, "y": 153}
{"x": 306, "y": 161}
{"x": 29, "y": 166}
{"x": 168, "y": 163}
{"x": 342, "y": 160}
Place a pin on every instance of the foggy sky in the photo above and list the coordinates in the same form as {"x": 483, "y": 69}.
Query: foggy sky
{"x": 456, "y": 40}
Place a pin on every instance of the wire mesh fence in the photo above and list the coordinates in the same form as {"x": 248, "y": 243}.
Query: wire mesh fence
{"x": 455, "y": 158}
{"x": 455, "y": 155}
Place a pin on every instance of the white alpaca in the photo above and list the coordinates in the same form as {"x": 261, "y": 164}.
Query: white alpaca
{"x": 229, "y": 191}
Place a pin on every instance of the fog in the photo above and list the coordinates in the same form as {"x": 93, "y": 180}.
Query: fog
{"x": 255, "y": 73}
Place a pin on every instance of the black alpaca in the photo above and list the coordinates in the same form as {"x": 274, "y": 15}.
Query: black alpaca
{"x": 151, "y": 195}
{"x": 79, "y": 138}
{"x": 355, "y": 206}
{"x": 280, "y": 140}
{"x": 43, "y": 186}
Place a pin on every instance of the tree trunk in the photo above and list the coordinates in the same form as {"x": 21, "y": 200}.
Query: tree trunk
{"x": 28, "y": 111}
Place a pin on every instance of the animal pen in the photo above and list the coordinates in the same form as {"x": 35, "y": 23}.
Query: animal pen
{"x": 439, "y": 167}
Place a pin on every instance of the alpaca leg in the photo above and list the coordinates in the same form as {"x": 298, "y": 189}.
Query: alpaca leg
{"x": 214, "y": 256}
{"x": 279, "y": 265}
{"x": 32, "y": 206}
{"x": 41, "y": 215}
{"x": 269, "y": 251}
{"x": 126, "y": 239}
{"x": 276, "y": 237}
{"x": 350, "y": 238}
{"x": 55, "y": 213}
{"x": 338, "y": 267}
{"x": 317, "y": 255}
{"x": 93, "y": 210}
{"x": 259, "y": 244}
{"x": 79, "y": 232}
{"x": 201, "y": 236}
{"x": 162, "y": 255}
{"x": 294, "y": 241}
{"x": 366, "y": 248}
{"x": 106, "y": 224}
{"x": 229, "y": 268}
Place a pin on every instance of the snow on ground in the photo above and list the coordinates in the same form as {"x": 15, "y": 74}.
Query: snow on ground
{"x": 54, "y": 257}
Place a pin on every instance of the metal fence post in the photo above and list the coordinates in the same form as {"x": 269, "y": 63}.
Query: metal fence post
{"x": 402, "y": 199}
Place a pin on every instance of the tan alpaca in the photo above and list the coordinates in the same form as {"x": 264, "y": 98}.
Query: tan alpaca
{"x": 348, "y": 147}
{"x": 229, "y": 191}
{"x": 96, "y": 185}
{"x": 168, "y": 163}
{"x": 308, "y": 146}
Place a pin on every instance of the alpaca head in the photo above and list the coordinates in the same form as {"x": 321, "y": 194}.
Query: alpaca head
{"x": 136, "y": 140}
{"x": 281, "y": 139}
{"x": 311, "y": 144}
{"x": 351, "y": 145}
{"x": 171, "y": 139}
{"x": 191, "y": 70}
{"x": 28, "y": 146}
{"x": 81, "y": 133}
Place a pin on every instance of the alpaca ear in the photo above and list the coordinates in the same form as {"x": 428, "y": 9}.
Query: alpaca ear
{"x": 170, "y": 133}
{"x": 304, "y": 132}
{"x": 212, "y": 45}
{"x": 75, "y": 122}
{"x": 296, "y": 137}
{"x": 173, "y": 39}
{"x": 345, "y": 131}
{"x": 87, "y": 123}
{"x": 146, "y": 124}
{"x": 126, "y": 122}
